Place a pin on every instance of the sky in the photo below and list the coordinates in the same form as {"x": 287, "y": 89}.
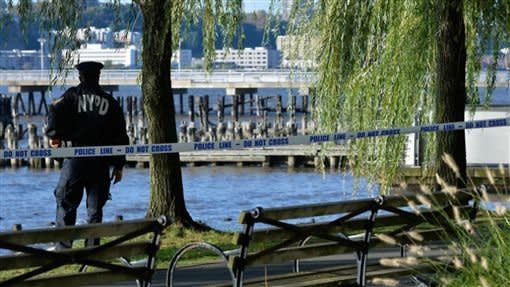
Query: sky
{"x": 255, "y": 5}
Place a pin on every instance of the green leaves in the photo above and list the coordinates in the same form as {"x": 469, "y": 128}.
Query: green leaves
{"x": 377, "y": 67}
{"x": 216, "y": 16}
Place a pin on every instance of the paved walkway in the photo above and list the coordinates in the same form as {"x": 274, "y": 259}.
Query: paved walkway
{"x": 214, "y": 273}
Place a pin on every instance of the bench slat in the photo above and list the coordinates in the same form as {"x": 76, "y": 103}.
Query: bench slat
{"x": 348, "y": 227}
{"x": 16, "y": 261}
{"x": 329, "y": 248}
{"x": 308, "y": 251}
{"x": 303, "y": 211}
{"x": 436, "y": 198}
{"x": 34, "y": 236}
{"x": 321, "y": 209}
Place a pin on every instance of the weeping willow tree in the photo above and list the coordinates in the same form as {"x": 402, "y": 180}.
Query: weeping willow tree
{"x": 385, "y": 64}
{"x": 163, "y": 21}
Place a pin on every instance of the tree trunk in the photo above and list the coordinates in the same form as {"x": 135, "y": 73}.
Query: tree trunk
{"x": 451, "y": 91}
{"x": 167, "y": 196}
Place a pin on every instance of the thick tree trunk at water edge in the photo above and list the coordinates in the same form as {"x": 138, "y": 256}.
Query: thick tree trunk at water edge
{"x": 167, "y": 197}
{"x": 451, "y": 92}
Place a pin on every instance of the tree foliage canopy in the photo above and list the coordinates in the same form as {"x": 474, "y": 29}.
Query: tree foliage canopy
{"x": 217, "y": 16}
{"x": 377, "y": 68}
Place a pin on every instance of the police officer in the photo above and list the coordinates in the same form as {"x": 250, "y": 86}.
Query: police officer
{"x": 86, "y": 115}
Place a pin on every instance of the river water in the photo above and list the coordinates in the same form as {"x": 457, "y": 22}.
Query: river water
{"x": 213, "y": 195}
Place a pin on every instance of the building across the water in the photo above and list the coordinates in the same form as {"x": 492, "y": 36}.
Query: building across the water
{"x": 181, "y": 58}
{"x": 112, "y": 57}
{"x": 22, "y": 59}
{"x": 258, "y": 58}
{"x": 296, "y": 52}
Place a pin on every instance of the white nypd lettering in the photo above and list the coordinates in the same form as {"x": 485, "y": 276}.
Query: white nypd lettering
{"x": 82, "y": 104}
{"x": 91, "y": 102}
{"x": 103, "y": 107}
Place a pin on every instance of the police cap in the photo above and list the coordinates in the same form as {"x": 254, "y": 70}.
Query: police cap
{"x": 89, "y": 67}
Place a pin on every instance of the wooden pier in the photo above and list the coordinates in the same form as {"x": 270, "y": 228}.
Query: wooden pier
{"x": 290, "y": 156}
{"x": 491, "y": 176}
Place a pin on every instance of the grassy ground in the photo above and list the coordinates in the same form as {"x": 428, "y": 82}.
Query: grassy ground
{"x": 176, "y": 237}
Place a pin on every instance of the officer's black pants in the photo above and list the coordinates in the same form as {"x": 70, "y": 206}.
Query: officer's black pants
{"x": 77, "y": 175}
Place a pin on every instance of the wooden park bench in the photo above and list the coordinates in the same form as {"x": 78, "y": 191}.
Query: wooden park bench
{"x": 27, "y": 250}
{"x": 294, "y": 233}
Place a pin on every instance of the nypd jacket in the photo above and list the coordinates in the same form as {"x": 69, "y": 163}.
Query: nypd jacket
{"x": 88, "y": 116}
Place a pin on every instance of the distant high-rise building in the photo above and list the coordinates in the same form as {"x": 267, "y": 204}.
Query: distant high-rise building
{"x": 95, "y": 35}
{"x": 110, "y": 57}
{"x": 181, "y": 58}
{"x": 128, "y": 37}
{"x": 297, "y": 52}
{"x": 22, "y": 59}
{"x": 249, "y": 58}
{"x": 107, "y": 37}
{"x": 506, "y": 57}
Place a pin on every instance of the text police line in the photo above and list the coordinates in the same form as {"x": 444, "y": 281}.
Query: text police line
{"x": 240, "y": 144}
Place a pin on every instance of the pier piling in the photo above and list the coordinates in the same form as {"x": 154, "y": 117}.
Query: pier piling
{"x": 275, "y": 116}
{"x": 33, "y": 143}
{"x": 12, "y": 143}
